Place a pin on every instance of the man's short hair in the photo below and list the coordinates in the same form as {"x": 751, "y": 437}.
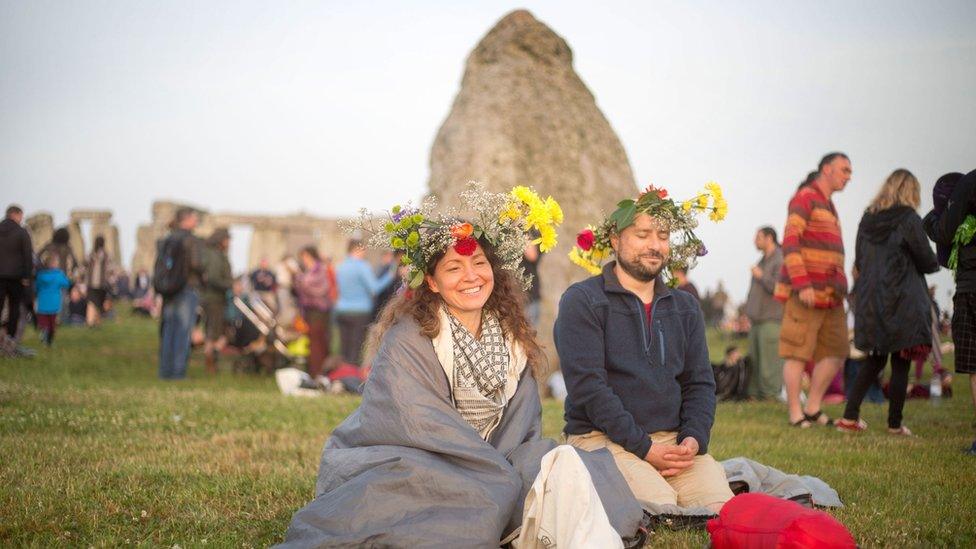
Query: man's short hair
{"x": 354, "y": 245}
{"x": 14, "y": 209}
{"x": 770, "y": 232}
{"x": 830, "y": 157}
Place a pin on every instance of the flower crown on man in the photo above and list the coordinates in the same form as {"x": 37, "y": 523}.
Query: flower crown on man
{"x": 504, "y": 221}
{"x": 593, "y": 244}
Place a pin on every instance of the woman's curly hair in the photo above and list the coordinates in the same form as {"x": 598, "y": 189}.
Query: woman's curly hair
{"x": 507, "y": 302}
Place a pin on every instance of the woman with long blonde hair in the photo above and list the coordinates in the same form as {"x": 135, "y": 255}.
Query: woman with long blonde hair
{"x": 892, "y": 309}
{"x": 445, "y": 448}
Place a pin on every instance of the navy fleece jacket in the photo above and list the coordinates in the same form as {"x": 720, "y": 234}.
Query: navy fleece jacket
{"x": 626, "y": 378}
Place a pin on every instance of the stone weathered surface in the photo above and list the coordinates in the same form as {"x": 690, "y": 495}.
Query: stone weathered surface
{"x": 41, "y": 227}
{"x": 273, "y": 237}
{"x": 524, "y": 117}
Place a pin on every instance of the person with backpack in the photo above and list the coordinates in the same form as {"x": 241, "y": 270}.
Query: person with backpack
{"x": 178, "y": 277}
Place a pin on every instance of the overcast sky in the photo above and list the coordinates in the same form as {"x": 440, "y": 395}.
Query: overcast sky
{"x": 325, "y": 107}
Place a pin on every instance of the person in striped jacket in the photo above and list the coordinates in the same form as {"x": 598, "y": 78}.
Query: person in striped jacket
{"x": 813, "y": 286}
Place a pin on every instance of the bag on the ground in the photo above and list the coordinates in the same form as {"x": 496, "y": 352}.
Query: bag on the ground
{"x": 171, "y": 271}
{"x": 760, "y": 520}
{"x": 731, "y": 380}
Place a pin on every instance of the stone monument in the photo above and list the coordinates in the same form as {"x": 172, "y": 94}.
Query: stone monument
{"x": 524, "y": 117}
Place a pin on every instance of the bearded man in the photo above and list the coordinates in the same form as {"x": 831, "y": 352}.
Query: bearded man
{"x": 636, "y": 364}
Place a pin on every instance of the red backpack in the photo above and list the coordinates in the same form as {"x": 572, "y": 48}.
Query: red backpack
{"x": 760, "y": 521}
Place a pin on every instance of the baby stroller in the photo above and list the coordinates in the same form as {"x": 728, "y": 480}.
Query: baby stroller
{"x": 262, "y": 343}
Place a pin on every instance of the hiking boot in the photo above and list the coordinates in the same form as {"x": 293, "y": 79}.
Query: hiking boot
{"x": 972, "y": 450}
{"x": 851, "y": 425}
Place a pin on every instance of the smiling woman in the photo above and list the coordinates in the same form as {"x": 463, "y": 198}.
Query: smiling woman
{"x": 450, "y": 421}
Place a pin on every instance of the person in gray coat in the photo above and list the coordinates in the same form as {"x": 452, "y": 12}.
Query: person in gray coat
{"x": 765, "y": 314}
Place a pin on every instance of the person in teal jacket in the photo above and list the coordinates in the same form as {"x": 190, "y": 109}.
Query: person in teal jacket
{"x": 50, "y": 286}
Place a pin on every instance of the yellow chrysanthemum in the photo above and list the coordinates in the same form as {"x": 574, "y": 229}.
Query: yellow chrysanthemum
{"x": 512, "y": 212}
{"x": 577, "y": 258}
{"x": 599, "y": 254}
{"x": 687, "y": 205}
{"x": 537, "y": 217}
{"x": 555, "y": 212}
{"x": 714, "y": 189}
{"x": 702, "y": 201}
{"x": 547, "y": 238}
{"x": 526, "y": 196}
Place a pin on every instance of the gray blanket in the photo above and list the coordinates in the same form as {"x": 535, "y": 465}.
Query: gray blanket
{"x": 406, "y": 470}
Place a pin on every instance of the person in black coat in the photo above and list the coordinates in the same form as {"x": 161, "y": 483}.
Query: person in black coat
{"x": 943, "y": 225}
{"x": 892, "y": 310}
{"x": 16, "y": 265}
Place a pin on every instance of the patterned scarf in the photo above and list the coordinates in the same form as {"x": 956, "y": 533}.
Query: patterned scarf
{"x": 480, "y": 367}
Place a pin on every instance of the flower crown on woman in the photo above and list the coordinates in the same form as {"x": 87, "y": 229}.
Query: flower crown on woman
{"x": 593, "y": 243}
{"x": 505, "y": 221}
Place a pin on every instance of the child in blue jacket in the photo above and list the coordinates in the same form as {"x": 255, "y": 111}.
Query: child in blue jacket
{"x": 50, "y": 285}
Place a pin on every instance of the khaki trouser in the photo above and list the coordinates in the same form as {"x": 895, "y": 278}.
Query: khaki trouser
{"x": 700, "y": 485}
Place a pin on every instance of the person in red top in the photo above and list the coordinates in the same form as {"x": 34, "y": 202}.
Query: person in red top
{"x": 813, "y": 287}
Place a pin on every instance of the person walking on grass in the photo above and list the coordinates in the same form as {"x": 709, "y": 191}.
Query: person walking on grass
{"x": 50, "y": 286}
{"x": 765, "y": 315}
{"x": 218, "y": 280}
{"x": 16, "y": 265}
{"x": 177, "y": 276}
{"x": 953, "y": 231}
{"x": 358, "y": 287}
{"x": 892, "y": 309}
{"x": 97, "y": 272}
{"x": 813, "y": 287}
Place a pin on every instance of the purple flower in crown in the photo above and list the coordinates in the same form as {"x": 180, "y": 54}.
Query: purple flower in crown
{"x": 702, "y": 251}
{"x": 404, "y": 212}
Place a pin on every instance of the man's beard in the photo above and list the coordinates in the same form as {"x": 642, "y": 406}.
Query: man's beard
{"x": 638, "y": 270}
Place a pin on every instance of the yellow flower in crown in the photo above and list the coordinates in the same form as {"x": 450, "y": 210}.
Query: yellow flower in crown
{"x": 680, "y": 219}
{"x": 505, "y": 221}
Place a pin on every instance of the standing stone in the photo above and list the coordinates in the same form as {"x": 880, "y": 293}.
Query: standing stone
{"x": 524, "y": 117}
{"x": 76, "y": 241}
{"x": 41, "y": 227}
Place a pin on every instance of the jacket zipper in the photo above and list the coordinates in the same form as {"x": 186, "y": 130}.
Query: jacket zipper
{"x": 646, "y": 330}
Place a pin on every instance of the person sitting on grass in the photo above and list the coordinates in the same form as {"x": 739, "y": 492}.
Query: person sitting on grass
{"x": 50, "y": 285}
{"x": 633, "y": 353}
{"x": 445, "y": 448}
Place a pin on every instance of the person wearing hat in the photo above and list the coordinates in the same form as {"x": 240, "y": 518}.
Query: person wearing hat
{"x": 217, "y": 281}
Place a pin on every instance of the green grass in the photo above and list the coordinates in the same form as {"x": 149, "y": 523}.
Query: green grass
{"x": 95, "y": 451}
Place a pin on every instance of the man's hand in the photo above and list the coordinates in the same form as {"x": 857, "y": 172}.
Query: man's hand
{"x": 756, "y": 272}
{"x": 692, "y": 444}
{"x": 671, "y": 459}
{"x": 808, "y": 297}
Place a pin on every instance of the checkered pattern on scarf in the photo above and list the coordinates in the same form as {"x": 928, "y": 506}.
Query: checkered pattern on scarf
{"x": 480, "y": 367}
